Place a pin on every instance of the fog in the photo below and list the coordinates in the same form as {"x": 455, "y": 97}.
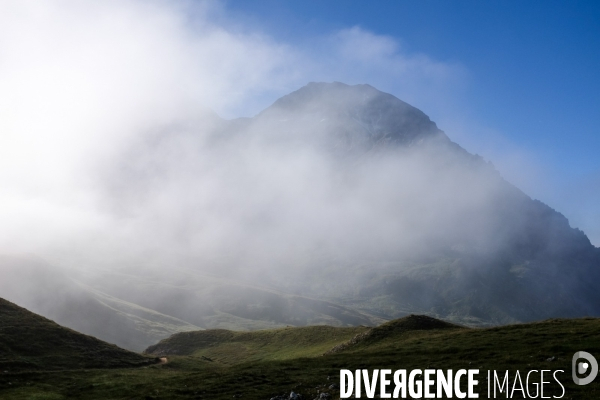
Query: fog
{"x": 271, "y": 196}
{"x": 86, "y": 85}
{"x": 124, "y": 164}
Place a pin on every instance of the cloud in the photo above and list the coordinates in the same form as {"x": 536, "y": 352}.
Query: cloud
{"x": 82, "y": 82}
{"x": 355, "y": 55}
{"x": 113, "y": 154}
{"x": 80, "y": 79}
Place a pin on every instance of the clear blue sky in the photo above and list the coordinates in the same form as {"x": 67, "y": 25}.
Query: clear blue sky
{"x": 533, "y": 78}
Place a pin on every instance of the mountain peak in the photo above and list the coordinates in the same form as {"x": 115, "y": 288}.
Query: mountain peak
{"x": 332, "y": 91}
{"x": 360, "y": 113}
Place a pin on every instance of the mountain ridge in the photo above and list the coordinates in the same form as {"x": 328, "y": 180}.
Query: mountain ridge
{"x": 349, "y": 207}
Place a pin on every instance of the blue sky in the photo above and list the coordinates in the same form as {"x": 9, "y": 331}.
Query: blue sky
{"x": 529, "y": 95}
{"x": 516, "y": 82}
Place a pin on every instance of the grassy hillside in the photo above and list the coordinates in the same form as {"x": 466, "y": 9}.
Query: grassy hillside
{"x": 220, "y": 364}
{"x": 31, "y": 342}
{"x": 229, "y": 347}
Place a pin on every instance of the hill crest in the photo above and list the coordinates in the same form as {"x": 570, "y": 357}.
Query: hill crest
{"x": 31, "y": 342}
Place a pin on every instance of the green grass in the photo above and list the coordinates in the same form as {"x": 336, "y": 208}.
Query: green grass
{"x": 229, "y": 347}
{"x": 259, "y": 365}
{"x": 31, "y": 342}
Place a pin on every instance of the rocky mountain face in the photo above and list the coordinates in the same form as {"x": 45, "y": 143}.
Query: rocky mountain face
{"x": 350, "y": 117}
{"x": 337, "y": 205}
{"x": 491, "y": 253}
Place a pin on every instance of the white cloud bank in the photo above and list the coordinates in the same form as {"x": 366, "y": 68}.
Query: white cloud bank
{"x": 83, "y": 83}
{"x": 79, "y": 81}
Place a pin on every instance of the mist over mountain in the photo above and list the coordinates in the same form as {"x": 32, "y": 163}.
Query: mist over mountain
{"x": 336, "y": 205}
{"x": 445, "y": 234}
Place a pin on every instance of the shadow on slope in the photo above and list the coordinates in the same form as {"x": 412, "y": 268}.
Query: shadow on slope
{"x": 31, "y": 342}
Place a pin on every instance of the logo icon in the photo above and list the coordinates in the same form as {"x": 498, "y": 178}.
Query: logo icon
{"x": 580, "y": 367}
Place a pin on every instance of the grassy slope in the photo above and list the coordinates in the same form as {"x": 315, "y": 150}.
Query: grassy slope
{"x": 229, "y": 347}
{"x": 31, "y": 342}
{"x": 407, "y": 343}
